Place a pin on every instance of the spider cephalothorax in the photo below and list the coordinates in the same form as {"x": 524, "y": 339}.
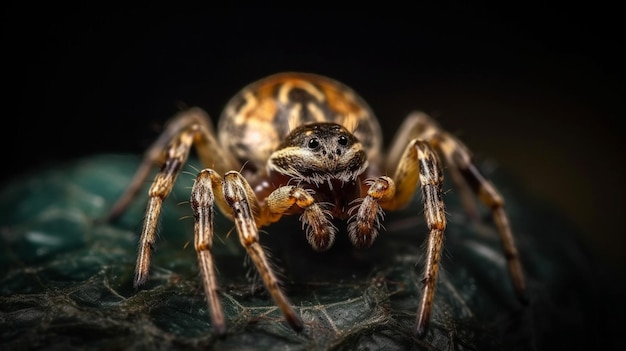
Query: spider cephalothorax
{"x": 296, "y": 143}
{"x": 319, "y": 153}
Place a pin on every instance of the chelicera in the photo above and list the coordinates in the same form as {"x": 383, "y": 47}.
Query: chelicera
{"x": 297, "y": 143}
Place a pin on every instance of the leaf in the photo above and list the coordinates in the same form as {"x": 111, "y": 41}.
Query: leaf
{"x": 67, "y": 276}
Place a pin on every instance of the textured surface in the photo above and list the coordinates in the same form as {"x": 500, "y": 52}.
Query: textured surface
{"x": 66, "y": 277}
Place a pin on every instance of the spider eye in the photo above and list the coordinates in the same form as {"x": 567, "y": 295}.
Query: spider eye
{"x": 314, "y": 143}
{"x": 343, "y": 140}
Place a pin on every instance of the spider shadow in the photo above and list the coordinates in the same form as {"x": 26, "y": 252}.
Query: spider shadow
{"x": 297, "y": 262}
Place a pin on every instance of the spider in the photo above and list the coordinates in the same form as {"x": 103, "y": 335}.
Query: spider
{"x": 300, "y": 143}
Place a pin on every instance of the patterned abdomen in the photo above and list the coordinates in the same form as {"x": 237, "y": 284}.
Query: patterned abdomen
{"x": 259, "y": 117}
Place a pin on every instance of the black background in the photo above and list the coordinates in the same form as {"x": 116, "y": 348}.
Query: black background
{"x": 537, "y": 89}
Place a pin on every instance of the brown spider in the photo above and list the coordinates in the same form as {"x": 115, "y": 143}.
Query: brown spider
{"x": 306, "y": 144}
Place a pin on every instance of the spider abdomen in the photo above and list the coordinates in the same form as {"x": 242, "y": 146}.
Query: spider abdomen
{"x": 256, "y": 121}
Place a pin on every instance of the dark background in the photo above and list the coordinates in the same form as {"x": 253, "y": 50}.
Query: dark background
{"x": 535, "y": 89}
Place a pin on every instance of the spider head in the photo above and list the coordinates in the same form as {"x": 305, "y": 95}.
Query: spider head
{"x": 318, "y": 153}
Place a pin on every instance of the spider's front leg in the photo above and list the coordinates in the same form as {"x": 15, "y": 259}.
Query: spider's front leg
{"x": 320, "y": 232}
{"x": 189, "y": 128}
{"x": 237, "y": 200}
{"x": 365, "y": 217}
{"x": 460, "y": 160}
{"x": 426, "y": 138}
{"x": 469, "y": 181}
{"x": 420, "y": 165}
{"x": 207, "y": 183}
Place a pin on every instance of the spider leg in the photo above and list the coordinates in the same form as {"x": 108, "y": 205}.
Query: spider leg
{"x": 243, "y": 203}
{"x": 177, "y": 154}
{"x": 363, "y": 226}
{"x": 207, "y": 183}
{"x": 207, "y": 147}
{"x": 420, "y": 164}
{"x": 467, "y": 179}
{"x": 187, "y": 129}
{"x": 320, "y": 232}
{"x": 488, "y": 195}
{"x": 419, "y": 125}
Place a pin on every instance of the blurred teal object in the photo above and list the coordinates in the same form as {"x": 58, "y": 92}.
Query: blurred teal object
{"x": 66, "y": 277}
